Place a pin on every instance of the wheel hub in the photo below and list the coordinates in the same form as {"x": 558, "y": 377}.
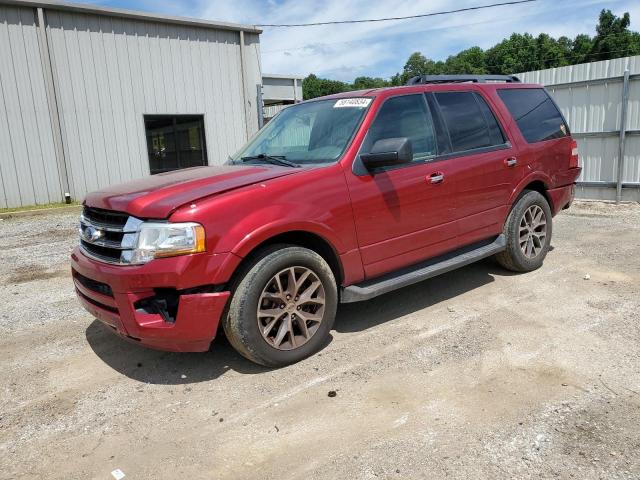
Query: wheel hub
{"x": 533, "y": 231}
{"x": 290, "y": 308}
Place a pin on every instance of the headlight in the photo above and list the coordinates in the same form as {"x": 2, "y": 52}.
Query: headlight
{"x": 158, "y": 240}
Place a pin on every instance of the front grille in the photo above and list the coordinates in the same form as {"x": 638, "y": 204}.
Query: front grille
{"x": 98, "y": 216}
{"x": 106, "y": 234}
{"x": 93, "y": 285}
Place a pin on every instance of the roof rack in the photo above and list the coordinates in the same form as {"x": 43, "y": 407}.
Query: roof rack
{"x": 422, "y": 79}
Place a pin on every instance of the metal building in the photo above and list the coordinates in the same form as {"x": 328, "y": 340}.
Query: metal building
{"x": 278, "y": 91}
{"x": 91, "y": 96}
{"x": 601, "y": 102}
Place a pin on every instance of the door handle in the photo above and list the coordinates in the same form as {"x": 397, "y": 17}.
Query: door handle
{"x": 511, "y": 162}
{"x": 436, "y": 177}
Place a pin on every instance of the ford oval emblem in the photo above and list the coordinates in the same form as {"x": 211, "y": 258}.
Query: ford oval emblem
{"x": 91, "y": 234}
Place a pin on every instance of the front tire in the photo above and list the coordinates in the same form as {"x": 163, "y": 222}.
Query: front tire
{"x": 283, "y": 306}
{"x": 528, "y": 232}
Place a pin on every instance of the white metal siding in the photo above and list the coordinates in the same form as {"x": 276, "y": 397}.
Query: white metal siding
{"x": 111, "y": 71}
{"x": 281, "y": 89}
{"x": 594, "y": 106}
{"x": 28, "y": 167}
{"x": 253, "y": 78}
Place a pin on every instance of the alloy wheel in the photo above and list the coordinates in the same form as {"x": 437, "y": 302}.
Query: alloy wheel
{"x": 533, "y": 231}
{"x": 291, "y": 307}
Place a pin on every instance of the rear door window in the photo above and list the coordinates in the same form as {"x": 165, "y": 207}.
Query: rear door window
{"x": 536, "y": 115}
{"x": 470, "y": 121}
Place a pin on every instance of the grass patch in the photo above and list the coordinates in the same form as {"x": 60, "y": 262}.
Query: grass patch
{"x": 38, "y": 207}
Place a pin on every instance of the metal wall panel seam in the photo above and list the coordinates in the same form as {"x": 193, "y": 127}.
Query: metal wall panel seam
{"x": 157, "y": 76}
{"x": 227, "y": 106}
{"x": 33, "y": 196}
{"x": 208, "y": 58}
{"x": 243, "y": 73}
{"x": 52, "y": 102}
{"x": 142, "y": 43}
{"x": 95, "y": 35}
{"x": 171, "y": 88}
{"x": 39, "y": 128}
{"x": 185, "y": 56}
{"x": 130, "y": 106}
{"x": 109, "y": 75}
{"x": 92, "y": 162}
{"x": 133, "y": 54}
{"x": 623, "y": 126}
{"x": 70, "y": 113}
{"x": 58, "y": 89}
{"x": 9, "y": 142}
{"x": 79, "y": 99}
{"x": 122, "y": 59}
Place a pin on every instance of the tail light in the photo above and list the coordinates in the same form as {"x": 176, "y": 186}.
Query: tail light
{"x": 574, "y": 162}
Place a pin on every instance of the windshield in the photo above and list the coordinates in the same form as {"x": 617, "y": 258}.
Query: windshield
{"x": 312, "y": 132}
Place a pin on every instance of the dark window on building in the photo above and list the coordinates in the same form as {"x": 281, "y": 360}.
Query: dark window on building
{"x": 405, "y": 116}
{"x": 537, "y": 116}
{"x": 470, "y": 121}
{"x": 175, "y": 141}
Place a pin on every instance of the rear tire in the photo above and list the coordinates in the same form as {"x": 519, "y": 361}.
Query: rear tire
{"x": 283, "y": 307}
{"x": 528, "y": 231}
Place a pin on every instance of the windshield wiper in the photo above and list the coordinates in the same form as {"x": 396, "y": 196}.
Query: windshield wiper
{"x": 274, "y": 159}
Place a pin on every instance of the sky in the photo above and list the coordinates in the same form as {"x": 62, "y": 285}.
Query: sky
{"x": 380, "y": 49}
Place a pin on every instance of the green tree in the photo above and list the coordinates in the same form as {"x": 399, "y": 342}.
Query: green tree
{"x": 363, "y": 83}
{"x": 613, "y": 38}
{"x": 313, "y": 87}
{"x": 518, "y": 53}
{"x": 551, "y": 52}
{"x": 581, "y": 48}
{"x": 471, "y": 60}
{"x": 418, "y": 64}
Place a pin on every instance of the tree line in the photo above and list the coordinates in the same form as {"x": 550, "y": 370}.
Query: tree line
{"x": 518, "y": 53}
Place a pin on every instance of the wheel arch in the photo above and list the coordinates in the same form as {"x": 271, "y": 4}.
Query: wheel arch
{"x": 301, "y": 238}
{"x": 536, "y": 182}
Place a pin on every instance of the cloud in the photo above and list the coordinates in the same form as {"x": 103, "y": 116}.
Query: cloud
{"x": 381, "y": 48}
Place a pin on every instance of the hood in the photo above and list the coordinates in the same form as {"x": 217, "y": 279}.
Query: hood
{"x": 157, "y": 196}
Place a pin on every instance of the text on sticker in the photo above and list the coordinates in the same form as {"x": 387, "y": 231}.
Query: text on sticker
{"x": 352, "y": 102}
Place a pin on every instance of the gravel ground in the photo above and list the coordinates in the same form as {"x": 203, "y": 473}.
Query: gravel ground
{"x": 475, "y": 374}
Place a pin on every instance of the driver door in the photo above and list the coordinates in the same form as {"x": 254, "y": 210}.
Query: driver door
{"x": 403, "y": 214}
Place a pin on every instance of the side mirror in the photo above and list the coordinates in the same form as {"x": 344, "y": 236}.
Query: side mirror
{"x": 387, "y": 152}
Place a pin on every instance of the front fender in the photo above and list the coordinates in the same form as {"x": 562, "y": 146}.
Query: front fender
{"x": 255, "y": 237}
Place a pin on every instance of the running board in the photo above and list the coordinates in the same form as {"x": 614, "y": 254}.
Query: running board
{"x": 422, "y": 271}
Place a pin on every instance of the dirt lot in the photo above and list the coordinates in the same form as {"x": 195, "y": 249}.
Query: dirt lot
{"x": 475, "y": 374}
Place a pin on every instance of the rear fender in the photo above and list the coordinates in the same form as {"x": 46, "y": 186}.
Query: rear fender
{"x": 532, "y": 177}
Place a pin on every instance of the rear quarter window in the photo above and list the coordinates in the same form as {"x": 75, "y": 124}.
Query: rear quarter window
{"x": 534, "y": 112}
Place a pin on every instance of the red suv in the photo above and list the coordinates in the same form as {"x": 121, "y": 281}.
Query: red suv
{"x": 337, "y": 199}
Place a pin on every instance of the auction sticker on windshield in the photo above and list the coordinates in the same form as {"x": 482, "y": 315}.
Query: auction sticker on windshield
{"x": 352, "y": 102}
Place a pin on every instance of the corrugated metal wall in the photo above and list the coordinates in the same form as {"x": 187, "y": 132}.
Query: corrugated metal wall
{"x": 112, "y": 71}
{"x": 253, "y": 73}
{"x": 590, "y": 97}
{"x": 28, "y": 166}
{"x": 108, "y": 73}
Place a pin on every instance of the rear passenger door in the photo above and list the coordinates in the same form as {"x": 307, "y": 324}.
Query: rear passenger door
{"x": 487, "y": 165}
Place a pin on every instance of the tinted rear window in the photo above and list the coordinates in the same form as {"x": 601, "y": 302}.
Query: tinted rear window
{"x": 470, "y": 122}
{"x": 537, "y": 116}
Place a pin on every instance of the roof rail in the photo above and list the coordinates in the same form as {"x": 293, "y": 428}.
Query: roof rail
{"x": 422, "y": 79}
